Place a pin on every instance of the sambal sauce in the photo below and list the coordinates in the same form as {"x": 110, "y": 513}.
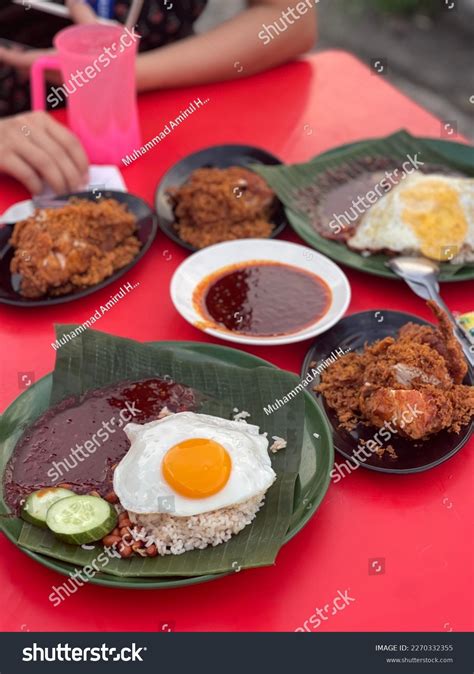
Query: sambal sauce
{"x": 262, "y": 298}
{"x": 47, "y": 453}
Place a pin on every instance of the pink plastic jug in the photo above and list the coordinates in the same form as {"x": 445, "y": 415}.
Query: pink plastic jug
{"x": 98, "y": 67}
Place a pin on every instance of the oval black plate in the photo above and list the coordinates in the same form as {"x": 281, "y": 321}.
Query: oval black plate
{"x": 219, "y": 156}
{"x": 146, "y": 232}
{"x": 413, "y": 456}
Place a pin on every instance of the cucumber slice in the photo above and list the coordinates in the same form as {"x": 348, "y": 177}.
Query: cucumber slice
{"x": 81, "y": 519}
{"x": 36, "y": 505}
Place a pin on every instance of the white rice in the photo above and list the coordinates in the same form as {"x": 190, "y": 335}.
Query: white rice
{"x": 240, "y": 416}
{"x": 174, "y": 535}
{"x": 465, "y": 255}
{"x": 165, "y": 412}
{"x": 279, "y": 443}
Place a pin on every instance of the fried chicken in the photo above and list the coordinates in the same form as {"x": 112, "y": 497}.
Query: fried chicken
{"x": 340, "y": 386}
{"x": 412, "y": 413}
{"x": 462, "y": 400}
{"x": 217, "y": 205}
{"x": 59, "y": 250}
{"x": 412, "y": 382}
{"x": 441, "y": 339}
{"x": 403, "y": 364}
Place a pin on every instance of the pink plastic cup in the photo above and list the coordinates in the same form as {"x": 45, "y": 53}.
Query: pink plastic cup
{"x": 97, "y": 63}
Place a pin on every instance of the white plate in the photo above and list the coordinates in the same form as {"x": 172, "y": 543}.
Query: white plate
{"x": 209, "y": 260}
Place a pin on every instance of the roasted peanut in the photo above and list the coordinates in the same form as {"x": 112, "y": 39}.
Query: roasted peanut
{"x": 125, "y": 550}
{"x": 112, "y": 497}
{"x": 115, "y": 532}
{"x": 125, "y": 523}
{"x": 123, "y": 516}
{"x": 111, "y": 540}
{"x": 151, "y": 550}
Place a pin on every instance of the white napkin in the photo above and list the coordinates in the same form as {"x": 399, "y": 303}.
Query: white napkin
{"x": 101, "y": 178}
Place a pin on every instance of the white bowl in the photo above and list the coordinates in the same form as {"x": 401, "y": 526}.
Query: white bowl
{"x": 209, "y": 260}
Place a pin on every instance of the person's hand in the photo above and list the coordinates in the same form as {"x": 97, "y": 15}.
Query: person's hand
{"x": 35, "y": 149}
{"x": 81, "y": 13}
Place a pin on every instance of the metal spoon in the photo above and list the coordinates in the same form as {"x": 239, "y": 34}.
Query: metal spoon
{"x": 422, "y": 275}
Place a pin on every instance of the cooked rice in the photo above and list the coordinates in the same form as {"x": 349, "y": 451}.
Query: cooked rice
{"x": 279, "y": 443}
{"x": 240, "y": 416}
{"x": 174, "y": 535}
{"x": 165, "y": 412}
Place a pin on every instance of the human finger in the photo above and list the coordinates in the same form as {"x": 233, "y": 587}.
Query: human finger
{"x": 70, "y": 145}
{"x": 20, "y": 169}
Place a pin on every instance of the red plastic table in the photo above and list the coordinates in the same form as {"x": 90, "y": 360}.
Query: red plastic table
{"x": 415, "y": 527}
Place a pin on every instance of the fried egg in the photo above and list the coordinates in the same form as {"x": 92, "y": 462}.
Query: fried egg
{"x": 188, "y": 464}
{"x": 430, "y": 215}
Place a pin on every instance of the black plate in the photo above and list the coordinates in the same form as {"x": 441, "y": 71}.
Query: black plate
{"x": 219, "y": 156}
{"x": 413, "y": 456}
{"x": 146, "y": 232}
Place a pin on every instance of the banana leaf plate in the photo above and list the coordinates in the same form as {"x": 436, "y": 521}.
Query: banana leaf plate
{"x": 223, "y": 374}
{"x": 286, "y": 181}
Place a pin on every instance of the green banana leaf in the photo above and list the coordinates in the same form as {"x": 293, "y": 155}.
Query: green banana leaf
{"x": 286, "y": 181}
{"x": 94, "y": 359}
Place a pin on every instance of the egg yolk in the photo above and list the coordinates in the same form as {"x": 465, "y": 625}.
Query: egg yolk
{"x": 197, "y": 468}
{"x": 433, "y": 210}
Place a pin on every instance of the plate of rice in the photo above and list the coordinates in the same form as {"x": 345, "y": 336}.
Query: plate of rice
{"x": 209, "y": 477}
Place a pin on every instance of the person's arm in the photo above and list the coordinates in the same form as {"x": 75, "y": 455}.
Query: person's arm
{"x": 233, "y": 49}
{"x": 36, "y": 150}
{"x": 241, "y": 46}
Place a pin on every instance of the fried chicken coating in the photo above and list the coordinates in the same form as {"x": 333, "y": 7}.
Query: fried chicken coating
{"x": 217, "y": 205}
{"x": 462, "y": 400}
{"x": 340, "y": 386}
{"x": 413, "y": 382}
{"x": 59, "y": 250}
{"x": 404, "y": 364}
{"x": 441, "y": 339}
